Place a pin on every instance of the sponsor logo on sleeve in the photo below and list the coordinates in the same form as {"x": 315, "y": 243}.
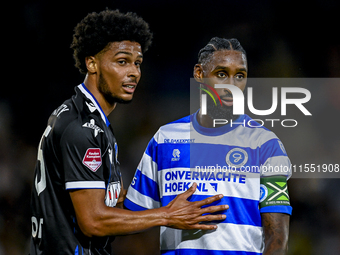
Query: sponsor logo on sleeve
{"x": 93, "y": 159}
{"x": 282, "y": 147}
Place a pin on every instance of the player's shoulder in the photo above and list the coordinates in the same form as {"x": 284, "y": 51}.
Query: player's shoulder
{"x": 71, "y": 122}
{"x": 256, "y": 131}
{"x": 63, "y": 115}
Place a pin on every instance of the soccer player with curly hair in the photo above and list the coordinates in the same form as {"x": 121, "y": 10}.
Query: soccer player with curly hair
{"x": 78, "y": 191}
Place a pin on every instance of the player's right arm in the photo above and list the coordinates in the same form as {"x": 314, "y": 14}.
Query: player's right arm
{"x": 96, "y": 219}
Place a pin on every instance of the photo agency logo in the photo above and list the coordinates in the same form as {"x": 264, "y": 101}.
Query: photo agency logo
{"x": 237, "y": 102}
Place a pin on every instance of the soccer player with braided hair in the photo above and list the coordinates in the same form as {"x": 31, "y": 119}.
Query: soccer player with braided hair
{"x": 231, "y": 159}
{"x": 78, "y": 188}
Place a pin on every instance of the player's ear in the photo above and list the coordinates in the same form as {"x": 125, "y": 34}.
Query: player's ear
{"x": 198, "y": 72}
{"x": 91, "y": 64}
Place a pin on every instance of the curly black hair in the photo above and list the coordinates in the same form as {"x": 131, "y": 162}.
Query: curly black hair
{"x": 97, "y": 30}
{"x": 217, "y": 43}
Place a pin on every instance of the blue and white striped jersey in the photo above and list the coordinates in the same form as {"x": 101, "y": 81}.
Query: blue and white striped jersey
{"x": 228, "y": 160}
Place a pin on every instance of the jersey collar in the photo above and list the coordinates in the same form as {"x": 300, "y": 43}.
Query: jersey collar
{"x": 90, "y": 96}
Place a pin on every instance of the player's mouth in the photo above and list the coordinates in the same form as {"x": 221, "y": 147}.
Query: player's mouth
{"x": 227, "y": 100}
{"x": 129, "y": 87}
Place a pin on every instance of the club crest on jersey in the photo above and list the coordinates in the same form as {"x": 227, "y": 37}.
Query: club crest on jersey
{"x": 93, "y": 126}
{"x": 237, "y": 157}
{"x": 93, "y": 159}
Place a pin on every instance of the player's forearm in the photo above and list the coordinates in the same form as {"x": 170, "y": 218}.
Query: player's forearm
{"x": 96, "y": 219}
{"x": 275, "y": 247}
{"x": 276, "y": 230}
{"x": 116, "y": 221}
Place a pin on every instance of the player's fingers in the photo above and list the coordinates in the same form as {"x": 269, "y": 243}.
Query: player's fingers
{"x": 216, "y": 208}
{"x": 209, "y": 200}
{"x": 122, "y": 196}
{"x": 211, "y": 217}
{"x": 203, "y": 226}
{"x": 189, "y": 191}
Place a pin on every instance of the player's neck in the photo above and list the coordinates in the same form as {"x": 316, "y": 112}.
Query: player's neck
{"x": 205, "y": 120}
{"x": 91, "y": 85}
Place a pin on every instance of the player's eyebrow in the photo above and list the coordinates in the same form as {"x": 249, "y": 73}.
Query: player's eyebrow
{"x": 240, "y": 69}
{"x": 128, "y": 53}
{"x": 123, "y": 52}
{"x": 220, "y": 67}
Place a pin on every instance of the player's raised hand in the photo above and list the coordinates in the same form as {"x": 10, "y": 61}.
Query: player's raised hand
{"x": 183, "y": 214}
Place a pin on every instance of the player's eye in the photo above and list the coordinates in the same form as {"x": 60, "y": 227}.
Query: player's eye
{"x": 121, "y": 61}
{"x": 221, "y": 75}
{"x": 239, "y": 76}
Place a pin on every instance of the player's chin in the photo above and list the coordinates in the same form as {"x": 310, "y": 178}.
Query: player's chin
{"x": 121, "y": 99}
{"x": 124, "y": 100}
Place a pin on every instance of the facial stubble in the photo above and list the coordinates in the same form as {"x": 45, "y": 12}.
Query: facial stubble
{"x": 220, "y": 112}
{"x": 104, "y": 89}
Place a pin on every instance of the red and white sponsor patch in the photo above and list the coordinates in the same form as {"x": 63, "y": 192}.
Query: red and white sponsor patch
{"x": 93, "y": 159}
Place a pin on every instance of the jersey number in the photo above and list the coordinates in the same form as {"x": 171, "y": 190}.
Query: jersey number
{"x": 37, "y": 227}
{"x": 41, "y": 185}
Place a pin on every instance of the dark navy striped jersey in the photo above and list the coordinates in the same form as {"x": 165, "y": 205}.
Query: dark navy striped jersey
{"x": 230, "y": 160}
{"x": 78, "y": 150}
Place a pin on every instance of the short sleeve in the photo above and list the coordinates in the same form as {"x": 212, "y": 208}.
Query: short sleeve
{"x": 274, "y": 159}
{"x": 81, "y": 159}
{"x": 275, "y": 167}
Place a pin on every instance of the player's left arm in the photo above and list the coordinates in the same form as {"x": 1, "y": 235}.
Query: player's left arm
{"x": 275, "y": 213}
{"x": 276, "y": 231}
